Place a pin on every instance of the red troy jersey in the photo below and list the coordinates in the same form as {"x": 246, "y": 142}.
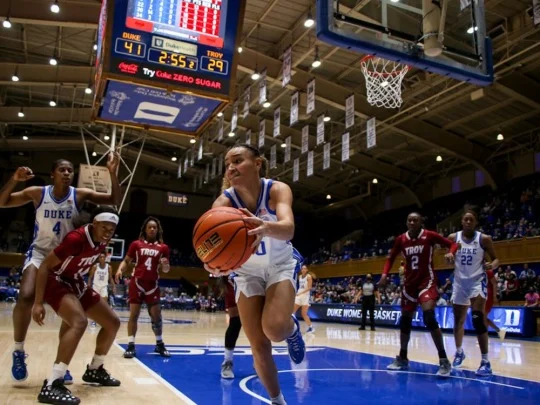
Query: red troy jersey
{"x": 78, "y": 252}
{"x": 147, "y": 255}
{"x": 418, "y": 254}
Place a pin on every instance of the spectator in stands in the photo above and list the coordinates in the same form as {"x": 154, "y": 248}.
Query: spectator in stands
{"x": 508, "y": 271}
{"x": 532, "y": 299}
{"x": 511, "y": 286}
{"x": 523, "y": 274}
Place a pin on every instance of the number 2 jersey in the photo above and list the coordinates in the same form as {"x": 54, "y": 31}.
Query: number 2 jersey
{"x": 148, "y": 256}
{"x": 418, "y": 255}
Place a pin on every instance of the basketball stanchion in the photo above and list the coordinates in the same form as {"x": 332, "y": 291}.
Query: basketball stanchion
{"x": 383, "y": 81}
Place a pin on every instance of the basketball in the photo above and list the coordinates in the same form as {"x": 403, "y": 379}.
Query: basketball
{"x": 221, "y": 240}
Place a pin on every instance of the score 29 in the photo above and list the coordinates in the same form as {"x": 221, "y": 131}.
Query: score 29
{"x": 214, "y": 65}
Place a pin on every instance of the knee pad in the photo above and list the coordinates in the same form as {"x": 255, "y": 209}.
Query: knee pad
{"x": 478, "y": 322}
{"x": 430, "y": 321}
{"x": 158, "y": 325}
{"x": 405, "y": 324}
{"x": 231, "y": 335}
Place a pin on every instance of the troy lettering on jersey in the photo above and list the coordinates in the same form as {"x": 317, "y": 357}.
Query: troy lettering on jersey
{"x": 149, "y": 252}
{"x": 468, "y": 251}
{"x": 88, "y": 261}
{"x": 57, "y": 214}
{"x": 413, "y": 250}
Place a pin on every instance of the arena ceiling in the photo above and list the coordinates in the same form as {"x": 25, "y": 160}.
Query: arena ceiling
{"x": 438, "y": 116}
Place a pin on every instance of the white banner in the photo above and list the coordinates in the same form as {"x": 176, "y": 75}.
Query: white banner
{"x": 287, "y": 155}
{"x": 214, "y": 167}
{"x": 310, "y": 107}
{"x": 234, "y": 118}
{"x": 294, "y": 108}
{"x": 186, "y": 162}
{"x": 247, "y": 96}
{"x": 200, "y": 151}
{"x": 220, "y": 129}
{"x": 192, "y": 160}
{"x": 277, "y": 122}
{"x": 310, "y": 163}
{"x": 273, "y": 163}
{"x": 305, "y": 139}
{"x": 296, "y": 169}
{"x": 248, "y": 136}
{"x": 99, "y": 176}
{"x": 326, "y": 156}
{"x": 349, "y": 111}
{"x": 262, "y": 131}
{"x": 371, "y": 134}
{"x": 463, "y": 4}
{"x": 320, "y": 129}
{"x": 179, "y": 171}
{"x": 262, "y": 88}
{"x": 287, "y": 65}
{"x": 220, "y": 165}
{"x": 207, "y": 173}
{"x": 345, "y": 147}
{"x": 536, "y": 13}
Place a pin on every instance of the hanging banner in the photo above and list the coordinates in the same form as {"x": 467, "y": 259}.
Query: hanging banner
{"x": 345, "y": 147}
{"x": 296, "y": 169}
{"x": 200, "y": 151}
{"x": 214, "y": 167}
{"x": 179, "y": 171}
{"x": 273, "y": 163}
{"x": 262, "y": 131}
{"x": 326, "y": 156}
{"x": 287, "y": 66}
{"x": 262, "y": 88}
{"x": 310, "y": 163}
{"x": 248, "y": 137}
{"x": 310, "y": 107}
{"x": 320, "y": 129}
{"x": 294, "y": 108}
{"x": 234, "y": 118}
{"x": 371, "y": 135}
{"x": 305, "y": 139}
{"x": 220, "y": 130}
{"x": 186, "y": 162}
{"x": 287, "y": 156}
{"x": 192, "y": 161}
{"x": 349, "y": 111}
{"x": 536, "y": 13}
{"x": 277, "y": 122}
{"x": 207, "y": 173}
{"x": 247, "y": 96}
{"x": 220, "y": 165}
{"x": 463, "y": 4}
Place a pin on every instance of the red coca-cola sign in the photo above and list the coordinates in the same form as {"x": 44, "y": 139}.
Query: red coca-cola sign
{"x": 130, "y": 68}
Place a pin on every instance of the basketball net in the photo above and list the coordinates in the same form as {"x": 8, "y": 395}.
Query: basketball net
{"x": 383, "y": 81}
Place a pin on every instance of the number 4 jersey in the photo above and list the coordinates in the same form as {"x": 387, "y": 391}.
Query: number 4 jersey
{"x": 148, "y": 256}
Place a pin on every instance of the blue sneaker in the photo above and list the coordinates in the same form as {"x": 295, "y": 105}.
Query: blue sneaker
{"x": 311, "y": 329}
{"x": 485, "y": 369}
{"x": 458, "y": 360}
{"x": 297, "y": 347}
{"x": 68, "y": 378}
{"x": 18, "y": 369}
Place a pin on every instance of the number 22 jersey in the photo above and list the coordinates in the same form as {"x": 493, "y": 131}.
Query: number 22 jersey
{"x": 148, "y": 256}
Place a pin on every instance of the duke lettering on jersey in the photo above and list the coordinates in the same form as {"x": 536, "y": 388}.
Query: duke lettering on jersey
{"x": 57, "y": 214}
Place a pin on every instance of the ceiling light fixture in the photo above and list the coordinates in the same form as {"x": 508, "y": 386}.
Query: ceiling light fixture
{"x": 308, "y": 23}
{"x": 500, "y": 137}
{"x": 317, "y": 61}
{"x": 52, "y": 103}
{"x": 220, "y": 114}
{"x": 326, "y": 118}
{"x": 55, "y": 8}
{"x": 106, "y": 137}
{"x": 192, "y": 140}
{"x": 53, "y": 61}
{"x": 21, "y": 113}
{"x": 174, "y": 158}
{"x": 6, "y": 23}
{"x": 255, "y": 75}
{"x": 470, "y": 30}
{"x": 375, "y": 181}
{"x": 94, "y": 154}
{"x": 240, "y": 49}
{"x": 438, "y": 158}
{"x": 283, "y": 145}
{"x": 88, "y": 89}
{"x": 231, "y": 134}
{"x": 328, "y": 197}
{"x": 25, "y": 138}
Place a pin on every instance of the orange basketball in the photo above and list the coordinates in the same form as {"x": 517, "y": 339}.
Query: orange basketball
{"x": 220, "y": 238}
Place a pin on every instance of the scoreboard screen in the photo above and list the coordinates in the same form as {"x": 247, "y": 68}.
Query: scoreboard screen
{"x": 185, "y": 46}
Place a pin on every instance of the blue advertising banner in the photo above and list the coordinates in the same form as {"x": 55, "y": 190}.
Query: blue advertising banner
{"x": 142, "y": 105}
{"x": 516, "y": 320}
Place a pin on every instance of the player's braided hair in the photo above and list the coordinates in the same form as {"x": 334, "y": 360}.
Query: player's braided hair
{"x": 159, "y": 235}
{"x": 263, "y": 172}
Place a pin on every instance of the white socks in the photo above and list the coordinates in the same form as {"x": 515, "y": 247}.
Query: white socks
{"x": 58, "y": 371}
{"x": 459, "y": 350}
{"x": 131, "y": 339}
{"x": 229, "y": 354}
{"x": 279, "y": 400}
{"x": 485, "y": 357}
{"x": 97, "y": 362}
{"x": 19, "y": 346}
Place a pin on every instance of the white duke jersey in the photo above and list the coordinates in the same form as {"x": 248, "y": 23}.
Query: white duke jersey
{"x": 469, "y": 263}
{"x": 54, "y": 220}
{"x": 303, "y": 282}
{"x": 271, "y": 251}
{"x": 101, "y": 276}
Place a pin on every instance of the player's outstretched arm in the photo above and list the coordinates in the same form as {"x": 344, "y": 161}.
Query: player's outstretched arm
{"x": 114, "y": 198}
{"x": 30, "y": 194}
{"x": 390, "y": 260}
{"x": 38, "y": 311}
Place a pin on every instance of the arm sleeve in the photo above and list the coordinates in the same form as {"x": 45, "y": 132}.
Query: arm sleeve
{"x": 132, "y": 251}
{"x": 71, "y": 246}
{"x": 441, "y": 240}
{"x": 392, "y": 257}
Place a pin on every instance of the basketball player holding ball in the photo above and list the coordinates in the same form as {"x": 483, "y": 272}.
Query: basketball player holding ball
{"x": 150, "y": 253}
{"x": 266, "y": 282}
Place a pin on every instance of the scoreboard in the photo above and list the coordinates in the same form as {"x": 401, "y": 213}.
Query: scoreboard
{"x": 166, "y": 64}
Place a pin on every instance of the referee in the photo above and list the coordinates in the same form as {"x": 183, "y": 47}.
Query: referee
{"x": 368, "y": 302}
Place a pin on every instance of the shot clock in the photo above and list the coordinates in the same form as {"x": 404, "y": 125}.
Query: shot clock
{"x": 184, "y": 46}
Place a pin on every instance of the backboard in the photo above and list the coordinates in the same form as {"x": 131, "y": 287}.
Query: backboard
{"x": 447, "y": 37}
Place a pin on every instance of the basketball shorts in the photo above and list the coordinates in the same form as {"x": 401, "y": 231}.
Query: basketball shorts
{"x": 34, "y": 257}
{"x": 414, "y": 295}
{"x": 254, "y": 282}
{"x": 57, "y": 287}
{"x": 463, "y": 292}
{"x": 143, "y": 291}
{"x": 102, "y": 290}
{"x": 230, "y": 301}
{"x": 302, "y": 300}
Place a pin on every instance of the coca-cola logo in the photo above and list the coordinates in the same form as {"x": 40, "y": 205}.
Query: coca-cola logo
{"x": 130, "y": 68}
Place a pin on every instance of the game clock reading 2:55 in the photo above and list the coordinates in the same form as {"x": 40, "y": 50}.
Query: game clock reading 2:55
{"x": 183, "y": 45}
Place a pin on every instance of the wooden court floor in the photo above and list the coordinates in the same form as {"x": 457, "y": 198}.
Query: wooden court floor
{"x": 512, "y": 358}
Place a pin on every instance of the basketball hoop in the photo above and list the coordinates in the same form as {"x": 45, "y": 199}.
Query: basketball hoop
{"x": 383, "y": 81}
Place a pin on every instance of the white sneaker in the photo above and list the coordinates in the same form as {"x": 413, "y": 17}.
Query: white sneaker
{"x": 502, "y": 333}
